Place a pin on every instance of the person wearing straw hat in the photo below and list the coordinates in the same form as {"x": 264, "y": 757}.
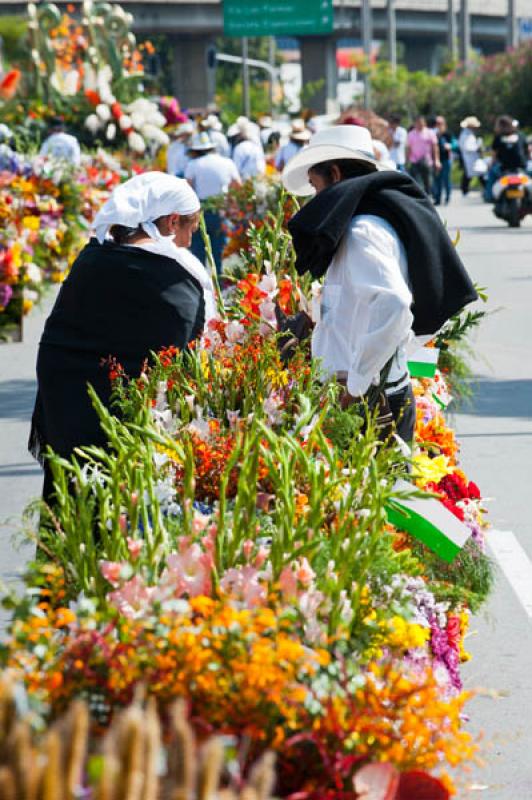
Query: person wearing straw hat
{"x": 213, "y": 126}
{"x": 177, "y": 154}
{"x": 390, "y": 270}
{"x": 470, "y": 148}
{"x": 211, "y": 175}
{"x": 133, "y": 290}
{"x": 299, "y": 137}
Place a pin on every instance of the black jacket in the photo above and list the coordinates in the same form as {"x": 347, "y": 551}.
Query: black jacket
{"x": 440, "y": 284}
{"x": 119, "y": 301}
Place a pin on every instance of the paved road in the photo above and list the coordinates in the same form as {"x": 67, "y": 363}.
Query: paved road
{"x": 496, "y": 436}
{"x": 496, "y": 432}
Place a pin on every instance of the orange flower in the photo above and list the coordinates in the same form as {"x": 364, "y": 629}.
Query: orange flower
{"x": 9, "y": 84}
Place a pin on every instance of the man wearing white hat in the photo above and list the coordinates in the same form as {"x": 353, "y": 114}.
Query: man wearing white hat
{"x": 177, "y": 155}
{"x": 390, "y": 268}
{"x": 248, "y": 154}
{"x": 299, "y": 137}
{"x": 212, "y": 125}
{"x": 210, "y": 175}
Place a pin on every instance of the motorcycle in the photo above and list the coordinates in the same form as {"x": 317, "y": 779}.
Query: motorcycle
{"x": 512, "y": 195}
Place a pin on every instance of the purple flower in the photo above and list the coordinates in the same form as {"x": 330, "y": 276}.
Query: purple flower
{"x": 6, "y": 293}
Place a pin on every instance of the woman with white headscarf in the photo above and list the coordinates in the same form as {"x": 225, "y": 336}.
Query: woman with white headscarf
{"x": 133, "y": 290}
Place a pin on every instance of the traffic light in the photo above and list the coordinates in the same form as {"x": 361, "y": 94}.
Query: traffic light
{"x": 211, "y": 57}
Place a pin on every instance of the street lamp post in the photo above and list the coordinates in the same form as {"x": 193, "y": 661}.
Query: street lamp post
{"x": 392, "y": 34}
{"x": 451, "y": 30}
{"x": 465, "y": 31}
{"x": 245, "y": 77}
{"x": 366, "y": 26}
{"x": 512, "y": 24}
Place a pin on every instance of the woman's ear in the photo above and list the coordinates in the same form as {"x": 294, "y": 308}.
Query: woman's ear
{"x": 336, "y": 174}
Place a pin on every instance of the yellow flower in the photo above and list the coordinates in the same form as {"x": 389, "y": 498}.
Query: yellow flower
{"x": 406, "y": 635}
{"x": 31, "y": 223}
{"x": 427, "y": 469}
{"x": 27, "y": 305}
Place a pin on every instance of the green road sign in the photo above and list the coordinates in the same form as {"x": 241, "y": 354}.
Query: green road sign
{"x": 277, "y": 17}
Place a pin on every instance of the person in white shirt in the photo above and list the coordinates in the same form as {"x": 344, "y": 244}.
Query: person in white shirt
{"x": 177, "y": 155}
{"x": 214, "y": 128}
{"x": 210, "y": 175}
{"x": 368, "y": 313}
{"x": 299, "y": 137}
{"x": 398, "y": 148}
{"x": 60, "y": 144}
{"x": 266, "y": 129}
{"x": 248, "y": 154}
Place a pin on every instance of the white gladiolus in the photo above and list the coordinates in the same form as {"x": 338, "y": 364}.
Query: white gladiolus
{"x": 157, "y": 119}
{"x": 136, "y": 142}
{"x": 138, "y": 119}
{"x": 104, "y": 112}
{"x": 90, "y": 79}
{"x": 151, "y": 132}
{"x": 71, "y": 82}
{"x": 30, "y": 294}
{"x": 110, "y": 133}
{"x": 93, "y": 123}
{"x": 33, "y": 273}
{"x": 125, "y": 122}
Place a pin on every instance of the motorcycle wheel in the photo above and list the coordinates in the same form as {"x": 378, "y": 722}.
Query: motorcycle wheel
{"x": 514, "y": 214}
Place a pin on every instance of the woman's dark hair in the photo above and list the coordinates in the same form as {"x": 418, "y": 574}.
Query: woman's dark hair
{"x": 349, "y": 168}
{"x": 121, "y": 234}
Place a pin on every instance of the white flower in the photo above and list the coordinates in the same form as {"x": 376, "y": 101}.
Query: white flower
{"x": 104, "y": 112}
{"x": 138, "y": 119}
{"x": 31, "y": 295}
{"x": 110, "y": 133}
{"x": 125, "y": 122}
{"x": 71, "y": 82}
{"x": 33, "y": 273}
{"x": 93, "y": 123}
{"x": 136, "y": 143}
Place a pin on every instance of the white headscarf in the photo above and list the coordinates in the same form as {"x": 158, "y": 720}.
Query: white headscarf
{"x": 143, "y": 199}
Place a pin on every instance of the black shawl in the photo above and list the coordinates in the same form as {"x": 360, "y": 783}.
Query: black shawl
{"x": 119, "y": 301}
{"x": 439, "y": 282}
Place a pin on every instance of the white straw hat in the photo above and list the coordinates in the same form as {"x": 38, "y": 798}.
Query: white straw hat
{"x": 471, "y": 122}
{"x": 201, "y": 141}
{"x": 339, "y": 142}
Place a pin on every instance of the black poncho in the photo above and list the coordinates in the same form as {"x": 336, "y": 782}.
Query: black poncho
{"x": 439, "y": 282}
{"x": 119, "y": 301}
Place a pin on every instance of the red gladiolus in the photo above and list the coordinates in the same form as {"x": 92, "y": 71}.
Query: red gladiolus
{"x": 92, "y": 96}
{"x": 116, "y": 110}
{"x": 9, "y": 84}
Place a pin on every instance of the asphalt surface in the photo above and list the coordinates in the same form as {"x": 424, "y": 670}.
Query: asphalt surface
{"x": 496, "y": 435}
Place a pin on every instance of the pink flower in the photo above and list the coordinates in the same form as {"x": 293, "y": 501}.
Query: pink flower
{"x": 134, "y": 546}
{"x": 112, "y": 571}
{"x": 288, "y": 582}
{"x": 134, "y": 599}
{"x": 199, "y": 523}
{"x": 189, "y": 571}
{"x": 304, "y": 573}
{"x": 243, "y": 583}
{"x": 247, "y": 548}
{"x": 268, "y": 284}
{"x": 267, "y": 312}
{"x": 262, "y": 555}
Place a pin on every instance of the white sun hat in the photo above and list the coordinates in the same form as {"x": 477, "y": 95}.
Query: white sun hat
{"x": 201, "y": 142}
{"x": 339, "y": 142}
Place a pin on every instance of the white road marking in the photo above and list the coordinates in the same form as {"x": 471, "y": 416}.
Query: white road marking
{"x": 515, "y": 564}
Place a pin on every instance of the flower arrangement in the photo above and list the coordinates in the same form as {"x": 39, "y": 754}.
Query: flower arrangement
{"x": 231, "y": 549}
{"x": 88, "y": 70}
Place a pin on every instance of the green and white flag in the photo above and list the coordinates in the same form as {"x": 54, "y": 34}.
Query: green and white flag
{"x": 429, "y": 521}
{"x": 423, "y": 362}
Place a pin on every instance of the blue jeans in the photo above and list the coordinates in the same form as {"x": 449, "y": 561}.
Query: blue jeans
{"x": 494, "y": 173}
{"x": 441, "y": 183}
{"x": 213, "y": 223}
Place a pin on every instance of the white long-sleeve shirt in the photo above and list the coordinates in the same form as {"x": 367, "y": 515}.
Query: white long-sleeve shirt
{"x": 365, "y": 307}
{"x": 249, "y": 159}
